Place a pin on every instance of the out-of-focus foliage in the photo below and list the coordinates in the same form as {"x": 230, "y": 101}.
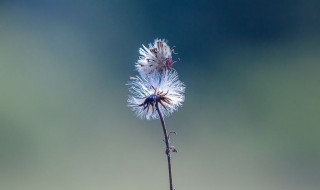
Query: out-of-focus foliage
{"x": 250, "y": 119}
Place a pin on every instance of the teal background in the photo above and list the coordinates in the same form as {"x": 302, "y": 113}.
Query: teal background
{"x": 250, "y": 119}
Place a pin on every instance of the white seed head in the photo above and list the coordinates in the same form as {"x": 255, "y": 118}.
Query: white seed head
{"x": 154, "y": 59}
{"x": 166, "y": 85}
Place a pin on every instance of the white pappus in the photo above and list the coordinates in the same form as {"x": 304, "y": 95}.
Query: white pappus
{"x": 165, "y": 89}
{"x": 155, "y": 59}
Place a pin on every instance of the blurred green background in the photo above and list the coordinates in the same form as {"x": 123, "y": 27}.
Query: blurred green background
{"x": 251, "y": 116}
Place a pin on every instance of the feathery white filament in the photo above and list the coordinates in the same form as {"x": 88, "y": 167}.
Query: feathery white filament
{"x": 154, "y": 59}
{"x": 144, "y": 86}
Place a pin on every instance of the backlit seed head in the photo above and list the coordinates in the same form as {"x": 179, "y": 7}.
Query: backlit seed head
{"x": 157, "y": 58}
{"x": 165, "y": 89}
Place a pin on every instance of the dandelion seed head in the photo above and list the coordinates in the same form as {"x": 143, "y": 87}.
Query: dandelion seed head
{"x": 155, "y": 59}
{"x": 166, "y": 87}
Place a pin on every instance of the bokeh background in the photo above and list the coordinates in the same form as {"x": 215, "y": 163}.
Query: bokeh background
{"x": 251, "y": 116}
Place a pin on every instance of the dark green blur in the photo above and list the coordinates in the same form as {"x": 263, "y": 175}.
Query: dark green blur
{"x": 250, "y": 120}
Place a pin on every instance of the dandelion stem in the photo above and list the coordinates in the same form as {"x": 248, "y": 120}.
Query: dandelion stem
{"x": 166, "y": 138}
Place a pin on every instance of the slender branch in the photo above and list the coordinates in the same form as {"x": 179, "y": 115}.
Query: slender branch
{"x": 166, "y": 138}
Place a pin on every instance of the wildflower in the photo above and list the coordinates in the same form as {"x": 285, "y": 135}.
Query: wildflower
{"x": 155, "y": 59}
{"x": 146, "y": 91}
{"x": 157, "y": 92}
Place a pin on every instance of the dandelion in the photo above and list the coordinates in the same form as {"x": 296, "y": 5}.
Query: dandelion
{"x": 157, "y": 92}
{"x": 155, "y": 59}
{"x": 165, "y": 89}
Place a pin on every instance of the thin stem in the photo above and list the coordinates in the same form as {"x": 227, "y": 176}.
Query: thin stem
{"x": 166, "y": 138}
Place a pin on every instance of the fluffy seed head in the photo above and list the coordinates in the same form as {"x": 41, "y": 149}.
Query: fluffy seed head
{"x": 166, "y": 88}
{"x": 154, "y": 59}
